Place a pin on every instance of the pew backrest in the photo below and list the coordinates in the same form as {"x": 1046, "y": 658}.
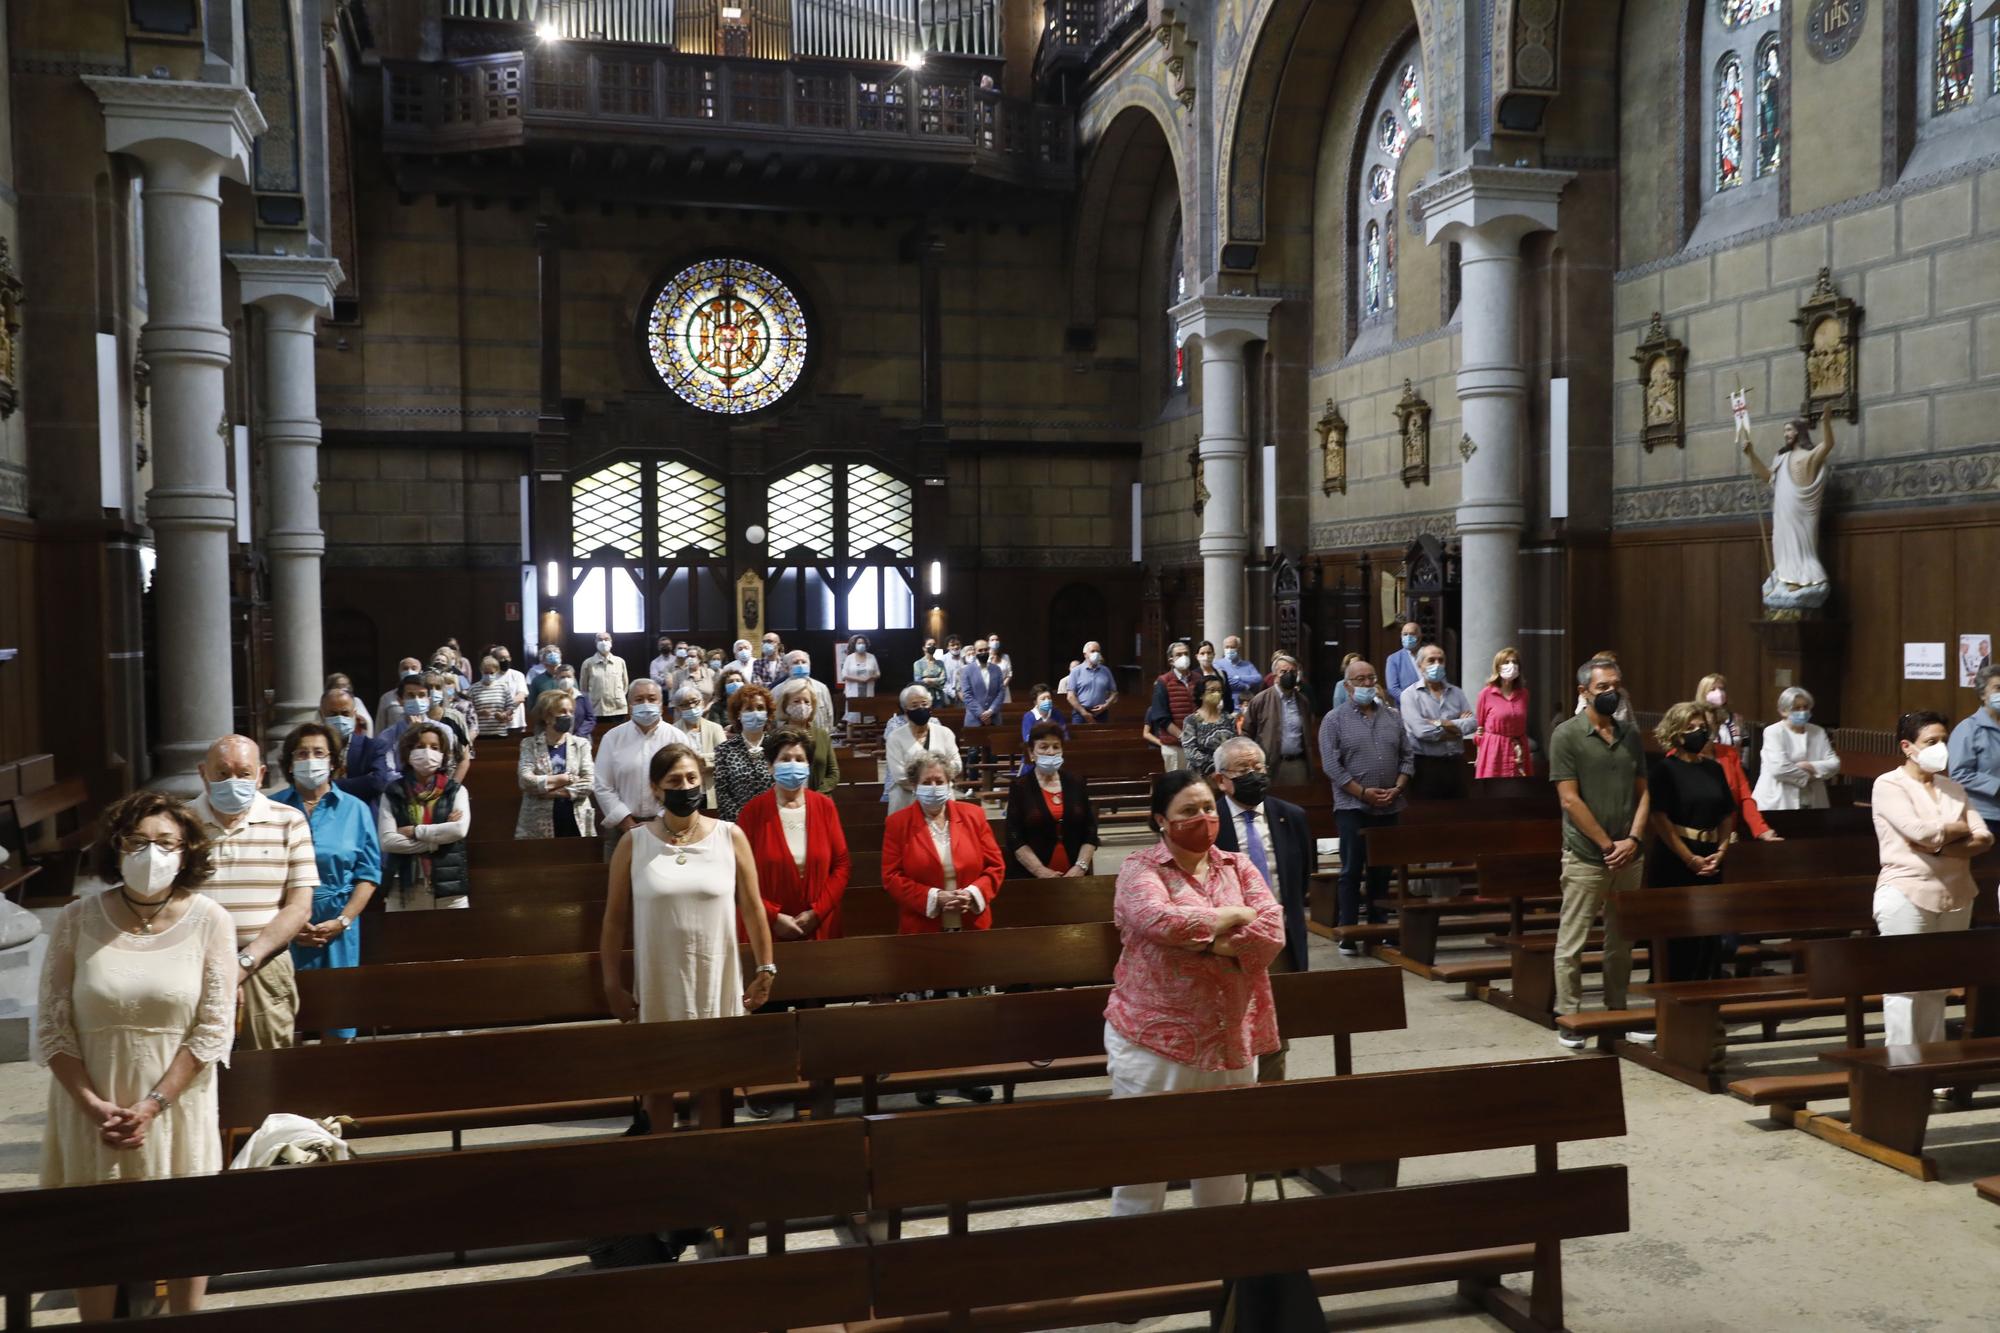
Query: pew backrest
{"x": 1875, "y": 965}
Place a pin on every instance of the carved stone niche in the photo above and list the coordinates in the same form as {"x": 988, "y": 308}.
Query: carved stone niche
{"x": 1413, "y": 424}
{"x": 1199, "y": 471}
{"x": 11, "y": 294}
{"x": 1662, "y": 362}
{"x": 1830, "y": 338}
{"x": 1332, "y": 428}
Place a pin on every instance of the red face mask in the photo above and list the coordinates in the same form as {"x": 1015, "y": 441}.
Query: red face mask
{"x": 1194, "y": 834}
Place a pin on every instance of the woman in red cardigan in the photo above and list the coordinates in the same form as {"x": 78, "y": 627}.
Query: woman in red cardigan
{"x": 799, "y": 846}
{"x": 939, "y": 860}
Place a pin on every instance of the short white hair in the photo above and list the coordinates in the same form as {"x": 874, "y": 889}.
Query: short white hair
{"x": 911, "y": 694}
{"x": 642, "y": 683}
{"x": 920, "y": 763}
{"x": 687, "y": 694}
{"x": 1234, "y": 746}
{"x": 1794, "y": 697}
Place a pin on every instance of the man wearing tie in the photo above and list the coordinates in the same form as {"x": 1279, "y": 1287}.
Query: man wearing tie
{"x": 1275, "y": 836}
{"x": 983, "y": 686}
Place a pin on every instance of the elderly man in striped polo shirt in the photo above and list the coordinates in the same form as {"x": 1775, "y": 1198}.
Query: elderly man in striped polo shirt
{"x": 264, "y": 873}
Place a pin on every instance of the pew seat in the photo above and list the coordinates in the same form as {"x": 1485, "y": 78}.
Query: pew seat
{"x": 1989, "y": 1188}
{"x": 1890, "y": 1093}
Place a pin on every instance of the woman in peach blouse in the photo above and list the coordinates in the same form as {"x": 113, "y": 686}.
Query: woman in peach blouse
{"x": 1190, "y": 1005}
{"x": 1502, "y": 713}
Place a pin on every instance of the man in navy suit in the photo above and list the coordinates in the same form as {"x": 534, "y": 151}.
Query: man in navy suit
{"x": 368, "y": 772}
{"x": 1274, "y": 834}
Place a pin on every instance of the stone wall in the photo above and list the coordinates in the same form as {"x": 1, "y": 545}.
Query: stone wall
{"x": 1378, "y": 508}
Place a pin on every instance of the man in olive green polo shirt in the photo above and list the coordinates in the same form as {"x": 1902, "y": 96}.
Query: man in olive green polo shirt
{"x": 1599, "y": 768}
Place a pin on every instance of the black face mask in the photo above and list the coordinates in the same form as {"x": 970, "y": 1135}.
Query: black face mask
{"x": 1288, "y": 680}
{"x": 1606, "y": 703}
{"x": 919, "y": 717}
{"x": 682, "y": 801}
{"x": 1249, "y": 788}
{"x": 1695, "y": 741}
{"x": 982, "y": 658}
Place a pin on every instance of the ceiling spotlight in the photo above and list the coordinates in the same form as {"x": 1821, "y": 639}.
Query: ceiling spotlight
{"x": 549, "y": 32}
{"x": 914, "y": 60}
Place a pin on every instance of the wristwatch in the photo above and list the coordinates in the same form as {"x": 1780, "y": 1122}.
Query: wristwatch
{"x": 158, "y": 1097}
{"x": 768, "y": 969}
{"x": 247, "y": 961}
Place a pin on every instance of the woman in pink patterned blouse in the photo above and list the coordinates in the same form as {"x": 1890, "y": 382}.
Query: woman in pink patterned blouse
{"x": 1190, "y": 1005}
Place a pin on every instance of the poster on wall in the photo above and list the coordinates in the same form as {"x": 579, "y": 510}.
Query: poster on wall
{"x": 1975, "y": 651}
{"x": 1923, "y": 661}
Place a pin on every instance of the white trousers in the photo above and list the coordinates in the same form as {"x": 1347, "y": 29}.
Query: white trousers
{"x": 1917, "y": 1016}
{"x": 1172, "y": 757}
{"x": 1137, "y": 1072}
{"x": 421, "y": 898}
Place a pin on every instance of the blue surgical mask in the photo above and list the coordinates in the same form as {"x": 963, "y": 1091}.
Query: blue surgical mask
{"x": 232, "y": 796}
{"x": 690, "y": 715}
{"x": 1047, "y": 763}
{"x": 311, "y": 774}
{"x": 933, "y": 794}
{"x": 1993, "y": 702}
{"x": 1800, "y": 716}
{"x": 680, "y": 652}
{"x": 791, "y": 774}
{"x": 753, "y": 720}
{"x": 1229, "y": 654}
{"x": 770, "y": 650}
{"x": 1362, "y": 694}
{"x": 1044, "y": 707}
{"x": 645, "y": 714}
{"x": 1434, "y": 672}
{"x": 743, "y": 654}
{"x": 417, "y": 705}
{"x": 551, "y": 657}
{"x": 341, "y": 725}
{"x": 730, "y": 687}
{"x": 1409, "y": 641}
{"x": 800, "y": 671}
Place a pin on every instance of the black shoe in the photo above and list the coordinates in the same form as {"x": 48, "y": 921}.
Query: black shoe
{"x": 756, "y": 1108}
{"x": 927, "y": 1099}
{"x": 980, "y": 1095}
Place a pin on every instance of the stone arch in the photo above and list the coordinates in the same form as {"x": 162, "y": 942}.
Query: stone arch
{"x": 1140, "y": 138}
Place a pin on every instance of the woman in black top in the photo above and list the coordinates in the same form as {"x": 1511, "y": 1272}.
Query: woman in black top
{"x": 1051, "y": 827}
{"x": 1694, "y": 818}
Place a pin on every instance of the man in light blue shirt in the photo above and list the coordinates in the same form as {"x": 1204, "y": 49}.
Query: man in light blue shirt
{"x": 1236, "y": 667}
{"x": 1402, "y": 665}
{"x": 1975, "y": 748}
{"x": 1440, "y": 722}
{"x": 1092, "y": 687}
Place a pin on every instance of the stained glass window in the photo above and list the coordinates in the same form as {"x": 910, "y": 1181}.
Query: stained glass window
{"x": 1996, "y": 56}
{"x": 727, "y": 336}
{"x": 1410, "y": 98}
{"x": 1380, "y": 185}
{"x": 1391, "y": 135}
{"x": 1736, "y": 13}
{"x": 1371, "y": 282}
{"x": 1176, "y": 293}
{"x": 1389, "y": 263}
{"x": 1729, "y": 123}
{"x": 1770, "y": 81}
{"x": 1953, "y": 78}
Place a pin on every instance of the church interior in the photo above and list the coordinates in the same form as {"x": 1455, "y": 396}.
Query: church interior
{"x": 627, "y": 468}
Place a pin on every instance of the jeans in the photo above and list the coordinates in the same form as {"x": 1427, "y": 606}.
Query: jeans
{"x": 1354, "y": 865}
{"x": 1586, "y": 890}
{"x": 1915, "y": 1016}
{"x": 1137, "y": 1072}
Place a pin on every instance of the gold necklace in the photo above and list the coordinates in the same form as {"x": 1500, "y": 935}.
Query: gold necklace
{"x": 678, "y": 841}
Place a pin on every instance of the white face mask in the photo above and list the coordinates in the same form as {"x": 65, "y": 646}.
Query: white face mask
{"x": 1181, "y": 662}
{"x": 1509, "y": 671}
{"x": 311, "y": 774}
{"x": 150, "y": 869}
{"x": 425, "y": 760}
{"x": 1933, "y": 758}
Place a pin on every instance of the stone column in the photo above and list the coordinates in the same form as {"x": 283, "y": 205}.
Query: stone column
{"x": 1224, "y": 324}
{"x": 187, "y": 136}
{"x": 1486, "y": 211}
{"x": 293, "y": 292}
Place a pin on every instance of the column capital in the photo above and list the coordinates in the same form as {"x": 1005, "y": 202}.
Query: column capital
{"x": 1224, "y": 321}
{"x": 152, "y": 118}
{"x": 1502, "y": 204}
{"x": 288, "y": 283}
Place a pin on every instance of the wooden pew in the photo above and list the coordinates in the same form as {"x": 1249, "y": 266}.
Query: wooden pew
{"x": 1420, "y": 920}
{"x": 1473, "y": 1230}
{"x": 439, "y": 1084}
{"x": 566, "y": 988}
{"x": 521, "y": 929}
{"x": 486, "y": 854}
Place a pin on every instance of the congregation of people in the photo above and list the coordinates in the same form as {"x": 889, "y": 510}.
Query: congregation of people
{"x": 708, "y": 779}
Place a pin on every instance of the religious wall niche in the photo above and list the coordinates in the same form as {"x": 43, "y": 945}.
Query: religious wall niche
{"x": 1830, "y": 338}
{"x": 1332, "y": 428}
{"x": 1662, "y": 361}
{"x": 1199, "y": 473}
{"x": 11, "y": 292}
{"x": 1413, "y": 425}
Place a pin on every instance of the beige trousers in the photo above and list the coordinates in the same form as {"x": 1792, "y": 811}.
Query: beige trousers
{"x": 1586, "y": 891}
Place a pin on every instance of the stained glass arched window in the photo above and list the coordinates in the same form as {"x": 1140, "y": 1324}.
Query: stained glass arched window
{"x": 1391, "y": 133}
{"x": 1173, "y": 295}
{"x": 1380, "y": 185}
{"x": 1770, "y": 83}
{"x": 1729, "y": 122}
{"x": 1995, "y": 62}
{"x": 1371, "y": 270}
{"x": 1393, "y": 119}
{"x": 1952, "y": 63}
{"x": 1736, "y": 13}
{"x": 1409, "y": 97}
{"x": 727, "y": 336}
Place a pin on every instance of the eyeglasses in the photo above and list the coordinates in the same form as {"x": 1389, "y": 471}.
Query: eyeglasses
{"x": 132, "y": 842}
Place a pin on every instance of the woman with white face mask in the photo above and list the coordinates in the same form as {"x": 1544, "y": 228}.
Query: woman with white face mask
{"x": 423, "y": 820}
{"x": 138, "y": 1003}
{"x": 345, "y": 845}
{"x": 1502, "y": 718}
{"x": 1798, "y": 758}
{"x": 1928, "y": 836}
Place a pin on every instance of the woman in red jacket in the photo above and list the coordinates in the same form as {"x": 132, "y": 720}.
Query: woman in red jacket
{"x": 799, "y": 846}
{"x": 939, "y": 860}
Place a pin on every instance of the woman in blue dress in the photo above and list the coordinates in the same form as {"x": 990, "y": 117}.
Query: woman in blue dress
{"x": 345, "y": 845}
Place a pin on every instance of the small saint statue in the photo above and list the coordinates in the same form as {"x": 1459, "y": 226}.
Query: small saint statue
{"x": 1797, "y": 478}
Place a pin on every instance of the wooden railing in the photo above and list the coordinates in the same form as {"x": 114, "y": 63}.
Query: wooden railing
{"x": 492, "y": 101}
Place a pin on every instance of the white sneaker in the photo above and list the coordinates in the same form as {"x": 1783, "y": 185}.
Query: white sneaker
{"x": 1641, "y": 1037}
{"x": 1569, "y": 1041}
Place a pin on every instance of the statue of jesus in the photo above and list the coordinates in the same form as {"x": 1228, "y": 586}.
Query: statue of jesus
{"x": 1797, "y": 478}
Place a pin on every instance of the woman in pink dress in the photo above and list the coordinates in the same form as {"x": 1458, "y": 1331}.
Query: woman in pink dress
{"x": 1502, "y": 713}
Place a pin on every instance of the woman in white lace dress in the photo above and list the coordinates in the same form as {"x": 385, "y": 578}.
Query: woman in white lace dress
{"x": 138, "y": 1003}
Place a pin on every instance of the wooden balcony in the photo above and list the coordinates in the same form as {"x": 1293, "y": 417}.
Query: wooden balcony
{"x": 678, "y": 115}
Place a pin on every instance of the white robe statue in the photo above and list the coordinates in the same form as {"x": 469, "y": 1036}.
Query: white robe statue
{"x": 1797, "y": 478}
